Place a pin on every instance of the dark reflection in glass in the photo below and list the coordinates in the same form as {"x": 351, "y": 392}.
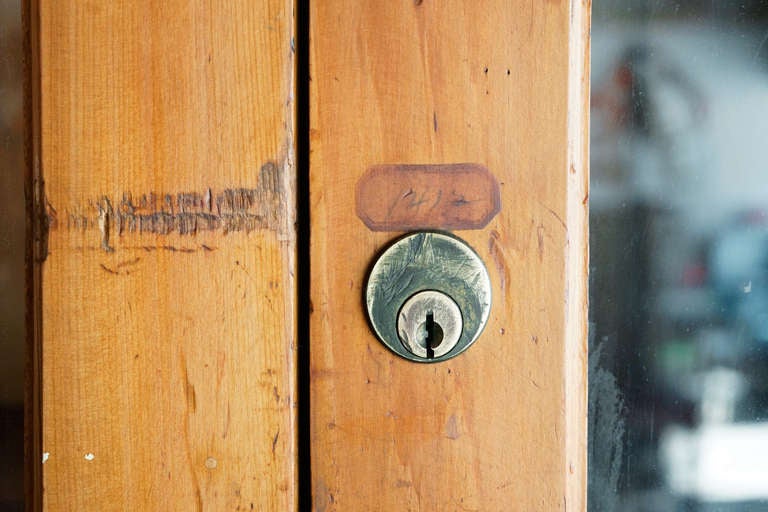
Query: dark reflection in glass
{"x": 11, "y": 258}
{"x": 679, "y": 256}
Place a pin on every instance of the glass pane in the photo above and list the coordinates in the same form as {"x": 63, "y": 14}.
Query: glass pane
{"x": 679, "y": 256}
{"x": 11, "y": 258}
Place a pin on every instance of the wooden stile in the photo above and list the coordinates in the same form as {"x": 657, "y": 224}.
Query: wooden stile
{"x": 163, "y": 283}
{"x": 502, "y": 84}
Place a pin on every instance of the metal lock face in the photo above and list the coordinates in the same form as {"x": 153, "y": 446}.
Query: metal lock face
{"x": 428, "y": 296}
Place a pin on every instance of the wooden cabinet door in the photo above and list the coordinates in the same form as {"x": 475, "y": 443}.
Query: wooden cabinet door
{"x": 163, "y": 258}
{"x": 504, "y": 85}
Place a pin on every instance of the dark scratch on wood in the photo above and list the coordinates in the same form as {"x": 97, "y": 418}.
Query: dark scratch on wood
{"x": 176, "y": 249}
{"x": 105, "y": 210}
{"x": 117, "y": 270}
{"x": 274, "y": 441}
{"x": 191, "y": 397}
{"x": 550, "y": 210}
{"x": 128, "y": 262}
{"x": 150, "y": 248}
{"x": 497, "y": 253}
{"x": 107, "y": 269}
{"x": 185, "y": 213}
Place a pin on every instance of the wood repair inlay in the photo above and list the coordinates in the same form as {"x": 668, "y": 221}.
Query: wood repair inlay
{"x": 437, "y": 196}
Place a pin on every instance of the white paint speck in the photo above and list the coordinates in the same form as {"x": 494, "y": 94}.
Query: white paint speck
{"x": 89, "y": 457}
{"x": 748, "y": 287}
{"x": 46, "y": 456}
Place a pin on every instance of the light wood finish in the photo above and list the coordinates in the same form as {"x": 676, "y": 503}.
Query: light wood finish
{"x": 168, "y": 367}
{"x": 504, "y": 84}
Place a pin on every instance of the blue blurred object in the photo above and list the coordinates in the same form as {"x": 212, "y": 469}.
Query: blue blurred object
{"x": 739, "y": 273}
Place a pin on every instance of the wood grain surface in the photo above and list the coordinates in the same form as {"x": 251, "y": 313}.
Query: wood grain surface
{"x": 164, "y": 139}
{"x": 504, "y": 84}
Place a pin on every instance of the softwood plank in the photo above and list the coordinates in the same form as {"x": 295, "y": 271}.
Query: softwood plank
{"x": 502, "y": 84}
{"x": 165, "y": 144}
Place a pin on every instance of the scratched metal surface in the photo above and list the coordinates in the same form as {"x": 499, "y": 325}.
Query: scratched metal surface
{"x": 428, "y": 261}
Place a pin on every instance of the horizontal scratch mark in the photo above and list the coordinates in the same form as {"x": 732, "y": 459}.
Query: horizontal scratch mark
{"x": 185, "y": 213}
{"x": 129, "y": 262}
{"x": 151, "y": 248}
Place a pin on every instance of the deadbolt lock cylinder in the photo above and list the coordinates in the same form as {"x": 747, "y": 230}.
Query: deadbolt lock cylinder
{"x": 428, "y": 296}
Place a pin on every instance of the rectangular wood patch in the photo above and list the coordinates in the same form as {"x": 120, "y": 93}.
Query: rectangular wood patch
{"x": 439, "y": 196}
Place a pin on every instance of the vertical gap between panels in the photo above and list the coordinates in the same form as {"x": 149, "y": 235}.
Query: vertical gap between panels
{"x": 302, "y": 248}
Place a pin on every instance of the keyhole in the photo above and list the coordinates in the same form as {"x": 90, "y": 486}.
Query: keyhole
{"x": 434, "y": 335}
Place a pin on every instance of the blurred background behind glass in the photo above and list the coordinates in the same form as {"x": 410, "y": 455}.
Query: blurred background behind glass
{"x": 11, "y": 257}
{"x": 679, "y": 256}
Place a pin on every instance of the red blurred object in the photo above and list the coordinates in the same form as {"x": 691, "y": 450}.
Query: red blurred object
{"x": 694, "y": 275}
{"x": 623, "y": 77}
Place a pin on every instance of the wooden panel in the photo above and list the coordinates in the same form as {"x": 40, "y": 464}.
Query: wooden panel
{"x": 502, "y": 84}
{"x": 164, "y": 138}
